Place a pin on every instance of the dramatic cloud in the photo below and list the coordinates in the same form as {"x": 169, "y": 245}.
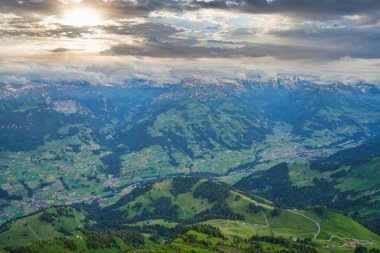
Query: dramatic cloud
{"x": 302, "y": 33}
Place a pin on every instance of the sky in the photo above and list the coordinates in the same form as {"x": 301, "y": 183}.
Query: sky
{"x": 108, "y": 41}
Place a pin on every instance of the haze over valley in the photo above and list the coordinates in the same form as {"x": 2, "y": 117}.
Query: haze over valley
{"x": 189, "y": 126}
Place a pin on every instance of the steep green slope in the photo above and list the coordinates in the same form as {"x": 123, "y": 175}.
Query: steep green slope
{"x": 53, "y": 222}
{"x": 161, "y": 211}
{"x": 195, "y": 238}
{"x": 347, "y": 181}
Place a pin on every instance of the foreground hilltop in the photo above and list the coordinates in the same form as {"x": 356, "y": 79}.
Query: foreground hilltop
{"x": 185, "y": 214}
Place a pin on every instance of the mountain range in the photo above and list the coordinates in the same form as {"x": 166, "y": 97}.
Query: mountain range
{"x": 297, "y": 143}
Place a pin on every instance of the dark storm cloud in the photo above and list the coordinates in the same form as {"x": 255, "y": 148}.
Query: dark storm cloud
{"x": 154, "y": 48}
{"x": 185, "y": 48}
{"x": 318, "y": 7}
{"x": 114, "y": 8}
{"x": 355, "y": 42}
{"x": 39, "y": 31}
{"x": 27, "y": 6}
{"x": 321, "y": 7}
{"x": 62, "y": 50}
{"x": 147, "y": 29}
{"x": 303, "y": 7}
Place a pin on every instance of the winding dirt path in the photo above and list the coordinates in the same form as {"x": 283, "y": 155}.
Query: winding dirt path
{"x": 76, "y": 218}
{"x": 34, "y": 233}
{"x": 256, "y": 203}
{"x": 310, "y": 219}
{"x": 265, "y": 217}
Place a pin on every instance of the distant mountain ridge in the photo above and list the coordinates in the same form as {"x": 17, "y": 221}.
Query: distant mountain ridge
{"x": 289, "y": 82}
{"x": 278, "y": 81}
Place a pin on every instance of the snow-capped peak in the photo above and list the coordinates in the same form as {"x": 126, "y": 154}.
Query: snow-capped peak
{"x": 286, "y": 81}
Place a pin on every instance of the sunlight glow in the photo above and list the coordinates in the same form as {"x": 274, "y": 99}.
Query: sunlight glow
{"x": 81, "y": 17}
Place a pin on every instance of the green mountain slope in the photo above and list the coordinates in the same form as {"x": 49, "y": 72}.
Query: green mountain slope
{"x": 347, "y": 180}
{"x": 162, "y": 215}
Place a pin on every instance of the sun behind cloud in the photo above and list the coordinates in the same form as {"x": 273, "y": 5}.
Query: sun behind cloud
{"x": 82, "y": 17}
